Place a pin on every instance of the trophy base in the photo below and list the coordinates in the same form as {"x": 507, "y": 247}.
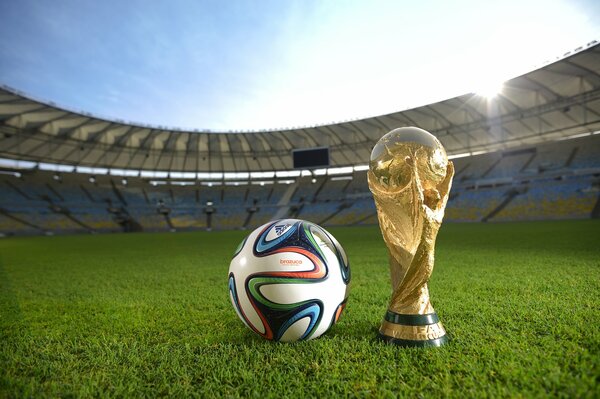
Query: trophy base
{"x": 412, "y": 330}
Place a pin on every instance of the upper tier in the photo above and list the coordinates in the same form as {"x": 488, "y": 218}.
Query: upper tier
{"x": 558, "y": 100}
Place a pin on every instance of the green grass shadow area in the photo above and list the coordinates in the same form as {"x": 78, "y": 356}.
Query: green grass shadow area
{"x": 141, "y": 315}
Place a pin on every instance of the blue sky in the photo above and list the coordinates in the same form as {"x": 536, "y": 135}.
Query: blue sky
{"x": 263, "y": 64}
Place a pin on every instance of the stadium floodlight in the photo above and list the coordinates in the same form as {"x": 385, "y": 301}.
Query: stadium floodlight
{"x": 461, "y": 155}
{"x": 236, "y": 175}
{"x": 10, "y": 173}
{"x": 182, "y": 175}
{"x": 338, "y": 178}
{"x": 574, "y": 136}
{"x": 17, "y": 164}
{"x": 55, "y": 167}
{"x": 211, "y": 183}
{"x": 288, "y": 173}
{"x": 181, "y": 183}
{"x": 123, "y": 172}
{"x": 262, "y": 175}
{"x": 94, "y": 171}
{"x": 210, "y": 175}
{"x": 340, "y": 171}
{"x": 154, "y": 174}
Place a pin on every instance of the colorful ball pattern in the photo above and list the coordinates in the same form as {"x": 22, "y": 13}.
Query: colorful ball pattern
{"x": 289, "y": 280}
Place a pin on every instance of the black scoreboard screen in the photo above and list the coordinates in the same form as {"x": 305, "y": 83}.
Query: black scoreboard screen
{"x": 311, "y": 158}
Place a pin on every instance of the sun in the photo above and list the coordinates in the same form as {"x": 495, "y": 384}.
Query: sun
{"x": 490, "y": 90}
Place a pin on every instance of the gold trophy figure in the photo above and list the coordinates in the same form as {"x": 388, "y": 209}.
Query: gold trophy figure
{"x": 410, "y": 178}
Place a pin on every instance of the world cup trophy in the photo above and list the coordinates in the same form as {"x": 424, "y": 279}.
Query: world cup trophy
{"x": 410, "y": 178}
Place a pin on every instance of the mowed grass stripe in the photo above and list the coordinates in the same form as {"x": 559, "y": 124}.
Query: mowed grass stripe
{"x": 149, "y": 314}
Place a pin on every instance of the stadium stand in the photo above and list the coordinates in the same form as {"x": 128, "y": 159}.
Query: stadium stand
{"x": 536, "y": 156}
{"x": 473, "y": 205}
{"x": 532, "y": 183}
{"x": 570, "y": 199}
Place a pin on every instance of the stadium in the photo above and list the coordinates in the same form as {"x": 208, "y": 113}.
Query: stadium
{"x": 529, "y": 154}
{"x": 117, "y": 236}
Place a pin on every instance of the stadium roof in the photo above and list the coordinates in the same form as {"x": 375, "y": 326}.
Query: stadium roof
{"x": 559, "y": 100}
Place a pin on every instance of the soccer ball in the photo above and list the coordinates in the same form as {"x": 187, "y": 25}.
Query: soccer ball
{"x": 288, "y": 280}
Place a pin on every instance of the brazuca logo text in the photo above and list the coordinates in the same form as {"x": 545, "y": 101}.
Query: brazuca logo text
{"x": 290, "y": 262}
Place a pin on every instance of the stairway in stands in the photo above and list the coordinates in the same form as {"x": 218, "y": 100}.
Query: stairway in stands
{"x": 596, "y": 211}
{"x": 284, "y": 201}
{"x": 509, "y": 196}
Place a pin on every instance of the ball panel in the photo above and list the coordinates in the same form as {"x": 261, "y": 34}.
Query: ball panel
{"x": 244, "y": 308}
{"x": 234, "y": 299}
{"x": 288, "y": 292}
{"x": 338, "y": 311}
{"x": 312, "y": 313}
{"x": 327, "y": 243}
{"x": 253, "y": 317}
{"x": 296, "y": 330}
{"x": 240, "y": 247}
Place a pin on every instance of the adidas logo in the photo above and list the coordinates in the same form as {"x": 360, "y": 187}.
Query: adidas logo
{"x": 281, "y": 228}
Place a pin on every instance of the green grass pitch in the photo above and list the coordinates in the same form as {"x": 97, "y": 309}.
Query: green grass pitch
{"x": 146, "y": 315}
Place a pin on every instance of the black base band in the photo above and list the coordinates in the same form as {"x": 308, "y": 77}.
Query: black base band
{"x": 413, "y": 343}
{"x": 411, "y": 319}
